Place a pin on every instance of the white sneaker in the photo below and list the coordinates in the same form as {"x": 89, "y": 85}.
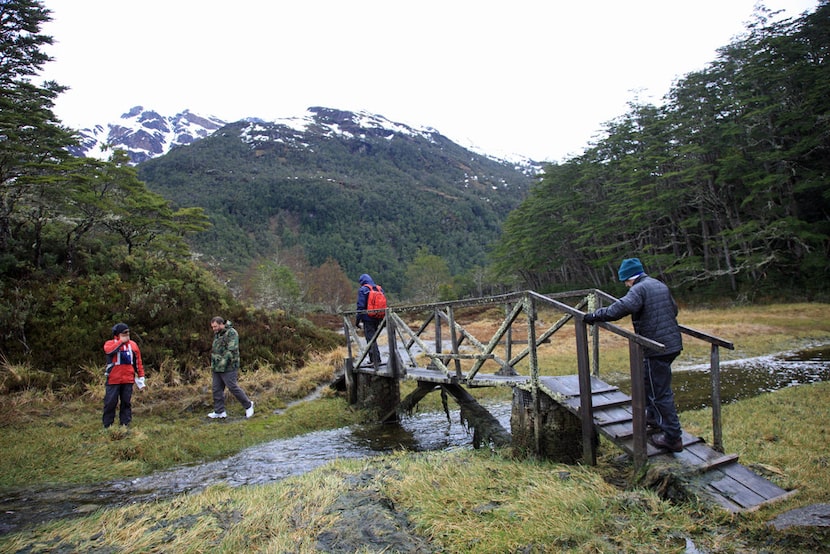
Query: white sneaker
{"x": 250, "y": 411}
{"x": 220, "y": 415}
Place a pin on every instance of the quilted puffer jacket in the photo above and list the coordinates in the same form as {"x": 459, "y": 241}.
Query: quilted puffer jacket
{"x": 653, "y": 312}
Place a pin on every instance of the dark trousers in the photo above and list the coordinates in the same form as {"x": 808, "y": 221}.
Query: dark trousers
{"x": 227, "y": 379}
{"x": 370, "y": 329}
{"x": 113, "y": 394}
{"x": 660, "y": 405}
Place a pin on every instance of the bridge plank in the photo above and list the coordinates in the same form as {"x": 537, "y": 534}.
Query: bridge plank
{"x": 723, "y": 501}
{"x": 492, "y": 379}
{"x": 627, "y": 444}
{"x": 758, "y": 484}
{"x": 701, "y": 454}
{"x": 614, "y": 414}
{"x": 728, "y": 483}
{"x": 737, "y": 492}
{"x": 601, "y": 401}
{"x": 718, "y": 463}
{"x": 568, "y": 385}
{"x": 618, "y": 432}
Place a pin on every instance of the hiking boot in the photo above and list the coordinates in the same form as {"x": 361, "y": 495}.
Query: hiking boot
{"x": 250, "y": 411}
{"x": 660, "y": 441}
{"x": 651, "y": 425}
{"x": 220, "y": 415}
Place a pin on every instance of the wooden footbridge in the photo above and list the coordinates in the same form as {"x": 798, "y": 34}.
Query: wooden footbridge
{"x": 420, "y": 353}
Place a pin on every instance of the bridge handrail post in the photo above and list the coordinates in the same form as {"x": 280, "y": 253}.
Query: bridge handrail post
{"x": 586, "y": 407}
{"x": 439, "y": 344}
{"x": 594, "y": 303}
{"x": 508, "y": 337}
{"x": 638, "y": 404}
{"x": 454, "y": 340}
{"x": 529, "y": 307}
{"x": 392, "y": 362}
{"x": 714, "y": 366}
{"x": 351, "y": 335}
{"x": 348, "y": 370}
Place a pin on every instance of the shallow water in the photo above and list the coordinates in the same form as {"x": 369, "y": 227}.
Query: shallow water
{"x": 265, "y": 463}
{"x": 750, "y": 377}
{"x": 427, "y": 431}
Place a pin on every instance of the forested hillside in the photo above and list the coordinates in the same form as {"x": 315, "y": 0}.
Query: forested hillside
{"x": 84, "y": 244}
{"x": 721, "y": 189}
{"x": 367, "y": 196}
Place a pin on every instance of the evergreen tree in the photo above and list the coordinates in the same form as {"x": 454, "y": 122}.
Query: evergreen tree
{"x": 33, "y": 143}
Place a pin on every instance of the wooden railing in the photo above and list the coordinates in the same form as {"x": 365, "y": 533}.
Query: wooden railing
{"x": 527, "y": 302}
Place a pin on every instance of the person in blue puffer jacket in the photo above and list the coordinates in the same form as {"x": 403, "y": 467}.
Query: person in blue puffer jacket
{"x": 653, "y": 312}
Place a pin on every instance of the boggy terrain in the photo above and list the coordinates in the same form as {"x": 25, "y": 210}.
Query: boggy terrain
{"x": 454, "y": 501}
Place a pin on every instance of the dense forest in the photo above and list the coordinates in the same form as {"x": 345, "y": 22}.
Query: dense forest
{"x": 722, "y": 189}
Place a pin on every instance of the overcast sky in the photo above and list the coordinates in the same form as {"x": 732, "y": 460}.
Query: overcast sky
{"x": 536, "y": 78}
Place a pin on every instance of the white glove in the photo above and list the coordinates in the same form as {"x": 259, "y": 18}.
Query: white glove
{"x": 139, "y": 381}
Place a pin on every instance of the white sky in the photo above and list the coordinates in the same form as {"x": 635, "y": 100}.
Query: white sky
{"x": 536, "y": 78}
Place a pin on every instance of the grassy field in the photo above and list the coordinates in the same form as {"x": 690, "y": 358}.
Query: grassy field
{"x": 458, "y": 501}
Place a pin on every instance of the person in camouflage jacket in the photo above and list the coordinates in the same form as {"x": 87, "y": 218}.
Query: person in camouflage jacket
{"x": 224, "y": 361}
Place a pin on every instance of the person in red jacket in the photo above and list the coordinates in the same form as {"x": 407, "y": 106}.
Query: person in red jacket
{"x": 123, "y": 363}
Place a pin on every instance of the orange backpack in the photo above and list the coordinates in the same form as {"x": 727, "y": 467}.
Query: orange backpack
{"x": 376, "y": 302}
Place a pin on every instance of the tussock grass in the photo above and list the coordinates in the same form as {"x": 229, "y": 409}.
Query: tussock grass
{"x": 460, "y": 501}
{"x": 23, "y": 377}
{"x": 476, "y": 501}
{"x": 47, "y": 438}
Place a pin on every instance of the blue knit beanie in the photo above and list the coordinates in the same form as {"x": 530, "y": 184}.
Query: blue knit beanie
{"x": 629, "y": 268}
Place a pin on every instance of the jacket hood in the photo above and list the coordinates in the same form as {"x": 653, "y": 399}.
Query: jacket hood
{"x": 365, "y": 279}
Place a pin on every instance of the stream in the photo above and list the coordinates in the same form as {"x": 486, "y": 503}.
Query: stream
{"x": 426, "y": 431}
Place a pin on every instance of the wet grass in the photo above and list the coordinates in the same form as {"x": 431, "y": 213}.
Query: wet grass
{"x": 49, "y": 439}
{"x": 460, "y": 501}
{"x": 479, "y": 501}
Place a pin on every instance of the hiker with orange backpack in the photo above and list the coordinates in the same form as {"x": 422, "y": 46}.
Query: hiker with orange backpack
{"x": 371, "y": 305}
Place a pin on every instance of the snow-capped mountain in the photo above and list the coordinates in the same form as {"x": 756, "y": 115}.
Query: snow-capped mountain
{"x": 145, "y": 134}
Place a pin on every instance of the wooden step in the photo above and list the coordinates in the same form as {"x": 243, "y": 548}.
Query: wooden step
{"x": 717, "y": 462}
{"x": 602, "y": 400}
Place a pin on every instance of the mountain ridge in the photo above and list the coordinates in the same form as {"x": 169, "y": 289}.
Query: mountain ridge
{"x": 145, "y": 133}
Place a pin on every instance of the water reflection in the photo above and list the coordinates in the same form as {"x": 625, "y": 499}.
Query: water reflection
{"x": 741, "y": 379}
